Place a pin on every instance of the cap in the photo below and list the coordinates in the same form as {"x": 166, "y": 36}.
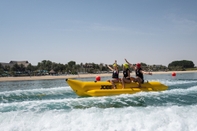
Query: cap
{"x": 138, "y": 65}
{"x": 126, "y": 65}
{"x": 114, "y": 65}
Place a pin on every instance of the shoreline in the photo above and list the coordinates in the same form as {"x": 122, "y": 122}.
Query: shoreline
{"x": 50, "y": 77}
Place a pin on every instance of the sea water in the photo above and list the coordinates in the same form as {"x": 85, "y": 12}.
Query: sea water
{"x": 51, "y": 105}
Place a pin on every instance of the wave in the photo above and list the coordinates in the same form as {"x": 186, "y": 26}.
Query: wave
{"x": 180, "y": 92}
{"x": 176, "y": 81}
{"x": 130, "y": 118}
{"x": 36, "y": 94}
{"x": 181, "y": 97}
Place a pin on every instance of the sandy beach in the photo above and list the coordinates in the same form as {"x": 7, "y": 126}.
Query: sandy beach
{"x": 50, "y": 77}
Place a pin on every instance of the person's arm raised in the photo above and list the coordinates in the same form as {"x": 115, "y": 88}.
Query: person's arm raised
{"x": 131, "y": 65}
{"x": 109, "y": 67}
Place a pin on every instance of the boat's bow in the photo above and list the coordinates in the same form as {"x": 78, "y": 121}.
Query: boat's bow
{"x": 77, "y": 86}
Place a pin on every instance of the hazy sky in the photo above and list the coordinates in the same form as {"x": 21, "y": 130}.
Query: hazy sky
{"x": 98, "y": 31}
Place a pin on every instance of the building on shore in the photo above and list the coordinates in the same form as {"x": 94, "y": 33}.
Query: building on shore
{"x": 12, "y": 63}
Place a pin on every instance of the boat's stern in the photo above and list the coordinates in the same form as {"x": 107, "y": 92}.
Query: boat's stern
{"x": 157, "y": 86}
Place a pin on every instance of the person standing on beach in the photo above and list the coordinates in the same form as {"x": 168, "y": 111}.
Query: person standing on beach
{"x": 126, "y": 75}
{"x": 115, "y": 74}
{"x": 139, "y": 73}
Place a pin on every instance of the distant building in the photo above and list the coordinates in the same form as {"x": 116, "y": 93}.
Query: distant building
{"x": 12, "y": 63}
{"x": 4, "y": 64}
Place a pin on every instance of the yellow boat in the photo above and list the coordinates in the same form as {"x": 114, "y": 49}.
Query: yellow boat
{"x": 104, "y": 88}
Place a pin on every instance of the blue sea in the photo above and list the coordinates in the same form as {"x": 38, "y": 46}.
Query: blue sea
{"x": 51, "y": 105}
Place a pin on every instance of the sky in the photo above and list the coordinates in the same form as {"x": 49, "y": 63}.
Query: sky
{"x": 98, "y": 31}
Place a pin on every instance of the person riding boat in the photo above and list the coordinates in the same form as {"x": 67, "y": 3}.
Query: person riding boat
{"x": 115, "y": 74}
{"x": 126, "y": 75}
{"x": 139, "y": 73}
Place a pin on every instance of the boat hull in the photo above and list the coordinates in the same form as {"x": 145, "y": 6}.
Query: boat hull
{"x": 104, "y": 88}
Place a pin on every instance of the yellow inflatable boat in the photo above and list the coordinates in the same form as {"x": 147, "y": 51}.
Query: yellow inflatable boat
{"x": 104, "y": 88}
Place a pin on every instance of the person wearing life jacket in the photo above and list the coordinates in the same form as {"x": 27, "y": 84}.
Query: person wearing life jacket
{"x": 139, "y": 73}
{"x": 115, "y": 74}
{"x": 126, "y": 75}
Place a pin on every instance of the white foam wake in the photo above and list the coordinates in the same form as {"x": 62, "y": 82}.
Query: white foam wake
{"x": 127, "y": 119}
